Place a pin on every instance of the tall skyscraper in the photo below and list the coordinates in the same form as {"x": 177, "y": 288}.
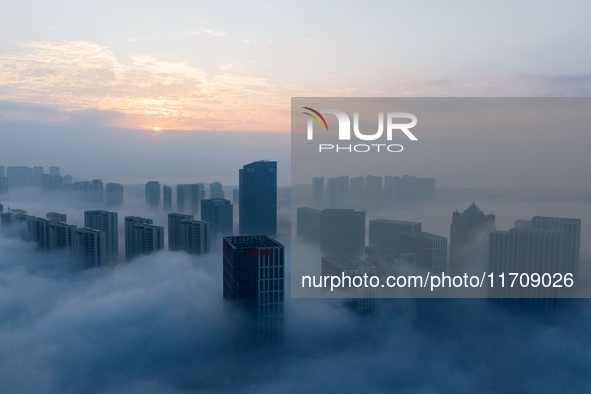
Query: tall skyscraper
{"x": 384, "y": 232}
{"x": 91, "y": 246}
{"x": 215, "y": 190}
{"x": 2, "y": 171}
{"x": 114, "y": 195}
{"x": 318, "y": 189}
{"x": 235, "y": 196}
{"x": 175, "y": 241}
{"x": 141, "y": 237}
{"x": 167, "y": 193}
{"x": 361, "y": 300}
{"x": 61, "y": 235}
{"x": 195, "y": 237}
{"x": 430, "y": 250}
{"x": 189, "y": 196}
{"x": 337, "y": 191}
{"x": 57, "y": 217}
{"x": 54, "y": 171}
{"x": 153, "y": 194}
{"x": 342, "y": 233}
{"x": 308, "y": 224}
{"x": 468, "y": 238}
{"x": 219, "y": 213}
{"x": 258, "y": 198}
{"x": 39, "y": 232}
{"x": 254, "y": 280}
{"x": 373, "y": 187}
{"x": 108, "y": 223}
{"x": 388, "y": 259}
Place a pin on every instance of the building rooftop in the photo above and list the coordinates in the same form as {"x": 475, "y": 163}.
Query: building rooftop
{"x": 347, "y": 263}
{"x": 252, "y": 241}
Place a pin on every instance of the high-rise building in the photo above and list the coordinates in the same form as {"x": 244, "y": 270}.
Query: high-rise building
{"x": 91, "y": 246}
{"x": 258, "y": 198}
{"x": 114, "y": 195}
{"x": 167, "y": 195}
{"x": 61, "y": 235}
{"x": 3, "y": 184}
{"x": 308, "y": 224}
{"x": 337, "y": 191}
{"x": 153, "y": 194}
{"x": 68, "y": 179}
{"x": 15, "y": 220}
{"x": 318, "y": 189}
{"x": 57, "y": 217}
{"x": 189, "y": 196}
{"x": 215, "y": 190}
{"x": 357, "y": 190}
{"x": 361, "y": 300}
{"x": 388, "y": 259}
{"x": 254, "y": 276}
{"x": 38, "y": 176}
{"x": 430, "y": 250}
{"x": 373, "y": 187}
{"x": 19, "y": 176}
{"x": 39, "y": 232}
{"x": 384, "y": 232}
{"x": 468, "y": 238}
{"x": 97, "y": 190}
{"x": 235, "y": 196}
{"x": 175, "y": 241}
{"x": 54, "y": 171}
{"x": 142, "y": 237}
{"x": 108, "y": 223}
{"x": 2, "y": 171}
{"x": 219, "y": 213}
{"x": 195, "y": 237}
{"x": 342, "y": 233}
{"x": 52, "y": 182}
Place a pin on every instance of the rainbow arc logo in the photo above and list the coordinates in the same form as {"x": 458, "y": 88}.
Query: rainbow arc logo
{"x": 316, "y": 116}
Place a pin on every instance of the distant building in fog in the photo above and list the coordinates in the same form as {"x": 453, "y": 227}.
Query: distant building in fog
{"x": 543, "y": 245}
{"x": 106, "y": 222}
{"x": 373, "y": 187}
{"x": 215, "y": 190}
{"x": 175, "y": 241}
{"x": 318, "y": 189}
{"x": 361, "y": 300}
{"x": 219, "y": 213}
{"x": 114, "y": 195}
{"x": 167, "y": 195}
{"x": 57, "y": 217}
{"x": 19, "y": 177}
{"x": 142, "y": 237}
{"x": 91, "y": 246}
{"x": 253, "y": 280}
{"x": 389, "y": 258}
{"x": 468, "y": 238}
{"x": 235, "y": 196}
{"x": 189, "y": 196}
{"x": 430, "y": 250}
{"x": 308, "y": 224}
{"x": 384, "y": 232}
{"x": 55, "y": 171}
{"x": 357, "y": 189}
{"x": 342, "y": 233}
{"x": 3, "y": 185}
{"x": 153, "y": 194}
{"x": 195, "y": 237}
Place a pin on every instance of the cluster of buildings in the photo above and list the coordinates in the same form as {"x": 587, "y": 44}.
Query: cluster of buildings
{"x": 95, "y": 191}
{"x": 540, "y": 245}
{"x": 339, "y": 191}
{"x": 253, "y": 262}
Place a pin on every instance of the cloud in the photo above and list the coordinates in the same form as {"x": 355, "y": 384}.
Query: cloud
{"x": 157, "y": 324}
{"x": 77, "y": 75}
{"x": 214, "y": 33}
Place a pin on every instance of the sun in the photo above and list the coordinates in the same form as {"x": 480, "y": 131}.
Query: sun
{"x": 157, "y": 129}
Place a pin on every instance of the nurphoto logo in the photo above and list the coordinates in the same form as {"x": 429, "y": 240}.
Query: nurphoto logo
{"x": 345, "y": 130}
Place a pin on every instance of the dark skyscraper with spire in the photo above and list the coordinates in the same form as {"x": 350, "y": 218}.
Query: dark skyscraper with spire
{"x": 258, "y": 198}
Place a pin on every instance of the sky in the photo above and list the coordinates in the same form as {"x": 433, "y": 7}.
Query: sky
{"x": 233, "y": 66}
